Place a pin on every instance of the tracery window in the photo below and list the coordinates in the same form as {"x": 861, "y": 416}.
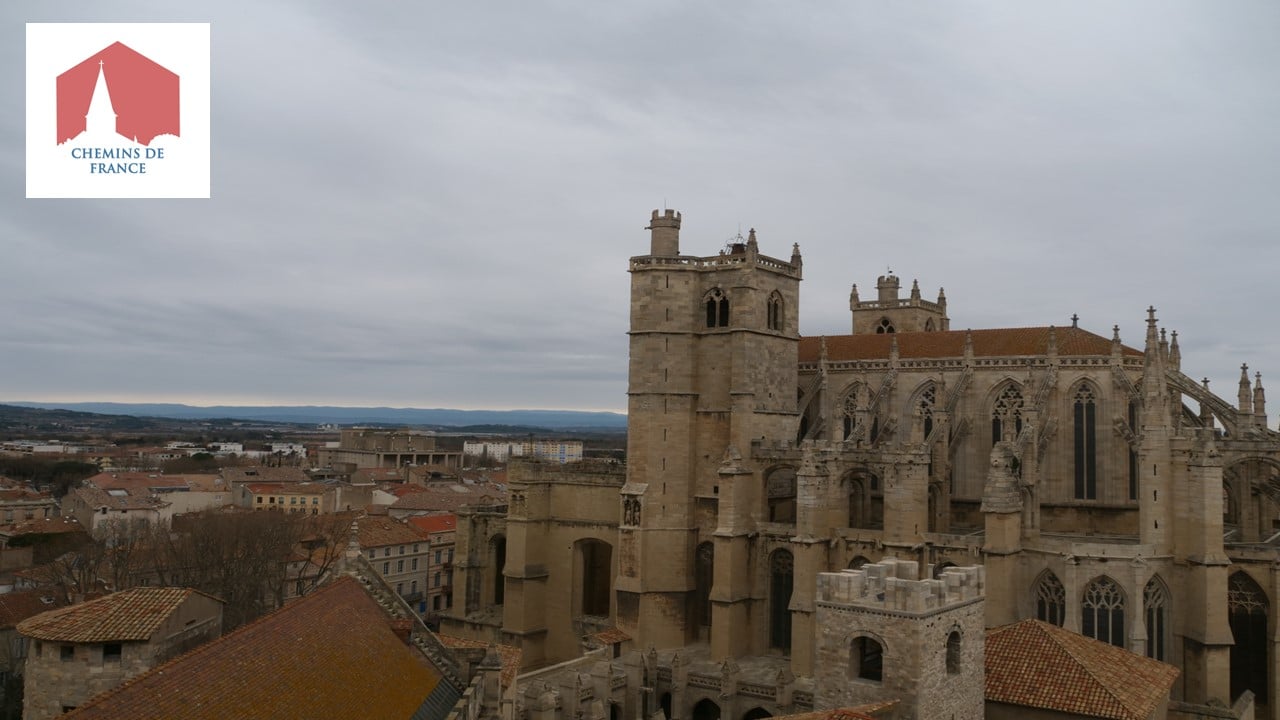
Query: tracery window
{"x": 1247, "y": 608}
{"x": 1051, "y": 599}
{"x": 1086, "y": 444}
{"x": 1102, "y": 611}
{"x": 1155, "y": 605}
{"x": 925, "y": 403}
{"x": 774, "y": 311}
{"x": 1006, "y": 413}
{"x": 885, "y": 327}
{"x": 717, "y": 305}
{"x": 850, "y": 411}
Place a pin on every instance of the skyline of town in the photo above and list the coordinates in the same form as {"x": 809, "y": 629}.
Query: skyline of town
{"x": 438, "y": 213}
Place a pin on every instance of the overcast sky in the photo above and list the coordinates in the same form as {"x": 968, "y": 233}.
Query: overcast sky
{"x": 432, "y": 204}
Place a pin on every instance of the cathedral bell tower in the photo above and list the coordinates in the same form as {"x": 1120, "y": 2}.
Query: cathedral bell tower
{"x": 712, "y": 367}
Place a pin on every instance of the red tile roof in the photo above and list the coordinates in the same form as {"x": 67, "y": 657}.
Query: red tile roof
{"x": 380, "y": 530}
{"x": 1035, "y": 664}
{"x": 450, "y": 497}
{"x": 126, "y": 615}
{"x": 509, "y": 654}
{"x": 435, "y": 523}
{"x": 999, "y": 342}
{"x": 331, "y": 654}
{"x": 18, "y": 606}
{"x": 42, "y": 526}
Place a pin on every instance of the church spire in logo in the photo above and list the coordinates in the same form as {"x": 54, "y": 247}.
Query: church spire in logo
{"x": 101, "y": 117}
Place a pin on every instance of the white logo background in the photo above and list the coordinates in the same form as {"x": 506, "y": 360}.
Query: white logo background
{"x": 54, "y": 48}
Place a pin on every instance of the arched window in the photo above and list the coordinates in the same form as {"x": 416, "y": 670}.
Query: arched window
{"x": 1247, "y": 608}
{"x": 1155, "y": 606}
{"x": 849, "y": 412}
{"x": 953, "y": 653}
{"x": 774, "y": 308}
{"x": 884, "y": 327}
{"x": 780, "y": 491}
{"x": 1051, "y": 599}
{"x": 857, "y": 562}
{"x": 756, "y": 714}
{"x": 928, "y": 325}
{"x": 781, "y": 570}
{"x": 866, "y": 659}
{"x": 1006, "y": 413}
{"x": 706, "y": 709}
{"x": 704, "y": 576}
{"x": 717, "y": 305}
{"x": 1086, "y": 443}
{"x": 596, "y": 558}
{"x": 1102, "y": 611}
{"x": 925, "y": 403}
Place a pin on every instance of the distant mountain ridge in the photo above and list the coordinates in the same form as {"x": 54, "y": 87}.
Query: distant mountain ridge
{"x": 321, "y": 414}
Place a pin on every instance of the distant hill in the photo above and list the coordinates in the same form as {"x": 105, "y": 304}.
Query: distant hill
{"x": 550, "y": 419}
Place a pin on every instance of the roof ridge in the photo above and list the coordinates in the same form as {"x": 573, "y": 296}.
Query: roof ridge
{"x": 203, "y": 647}
{"x": 1051, "y": 631}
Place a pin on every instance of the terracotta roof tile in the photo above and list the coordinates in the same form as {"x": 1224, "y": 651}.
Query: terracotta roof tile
{"x": 610, "y": 636}
{"x": 1035, "y": 664}
{"x": 18, "y": 606}
{"x": 331, "y": 654}
{"x": 380, "y": 530}
{"x": 509, "y": 654}
{"x": 449, "y": 497}
{"x": 998, "y": 342}
{"x": 42, "y": 526}
{"x": 435, "y": 523}
{"x": 126, "y": 615}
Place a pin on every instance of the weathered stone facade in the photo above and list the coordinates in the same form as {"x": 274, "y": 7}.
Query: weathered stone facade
{"x": 1101, "y": 488}
{"x": 924, "y": 636}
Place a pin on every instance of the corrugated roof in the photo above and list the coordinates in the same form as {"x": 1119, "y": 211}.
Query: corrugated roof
{"x": 997, "y": 342}
{"x": 132, "y": 614}
{"x": 1035, "y": 664}
{"x": 331, "y": 654}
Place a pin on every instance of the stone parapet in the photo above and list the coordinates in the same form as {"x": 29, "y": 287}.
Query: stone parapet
{"x": 892, "y": 585}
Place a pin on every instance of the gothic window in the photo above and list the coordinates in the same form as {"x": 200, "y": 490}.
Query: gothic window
{"x": 1051, "y": 599}
{"x": 597, "y": 571}
{"x": 1102, "y": 611}
{"x": 781, "y": 574}
{"x": 1086, "y": 444}
{"x": 1155, "y": 605}
{"x": 925, "y": 403}
{"x": 857, "y": 503}
{"x": 884, "y": 327}
{"x": 953, "y": 653}
{"x": 704, "y": 575}
{"x": 717, "y": 309}
{"x": 1247, "y": 608}
{"x": 849, "y": 411}
{"x": 498, "y": 550}
{"x": 774, "y": 309}
{"x": 857, "y": 562}
{"x": 866, "y": 659}
{"x": 928, "y": 325}
{"x": 1006, "y": 413}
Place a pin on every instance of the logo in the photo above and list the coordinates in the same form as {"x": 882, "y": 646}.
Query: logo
{"x": 117, "y": 110}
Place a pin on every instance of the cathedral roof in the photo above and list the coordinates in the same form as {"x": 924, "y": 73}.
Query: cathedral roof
{"x": 1035, "y": 664}
{"x": 996, "y": 342}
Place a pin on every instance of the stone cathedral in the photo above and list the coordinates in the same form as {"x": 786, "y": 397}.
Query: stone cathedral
{"x": 1094, "y": 485}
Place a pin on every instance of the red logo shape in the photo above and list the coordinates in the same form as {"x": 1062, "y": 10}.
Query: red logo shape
{"x": 142, "y": 94}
